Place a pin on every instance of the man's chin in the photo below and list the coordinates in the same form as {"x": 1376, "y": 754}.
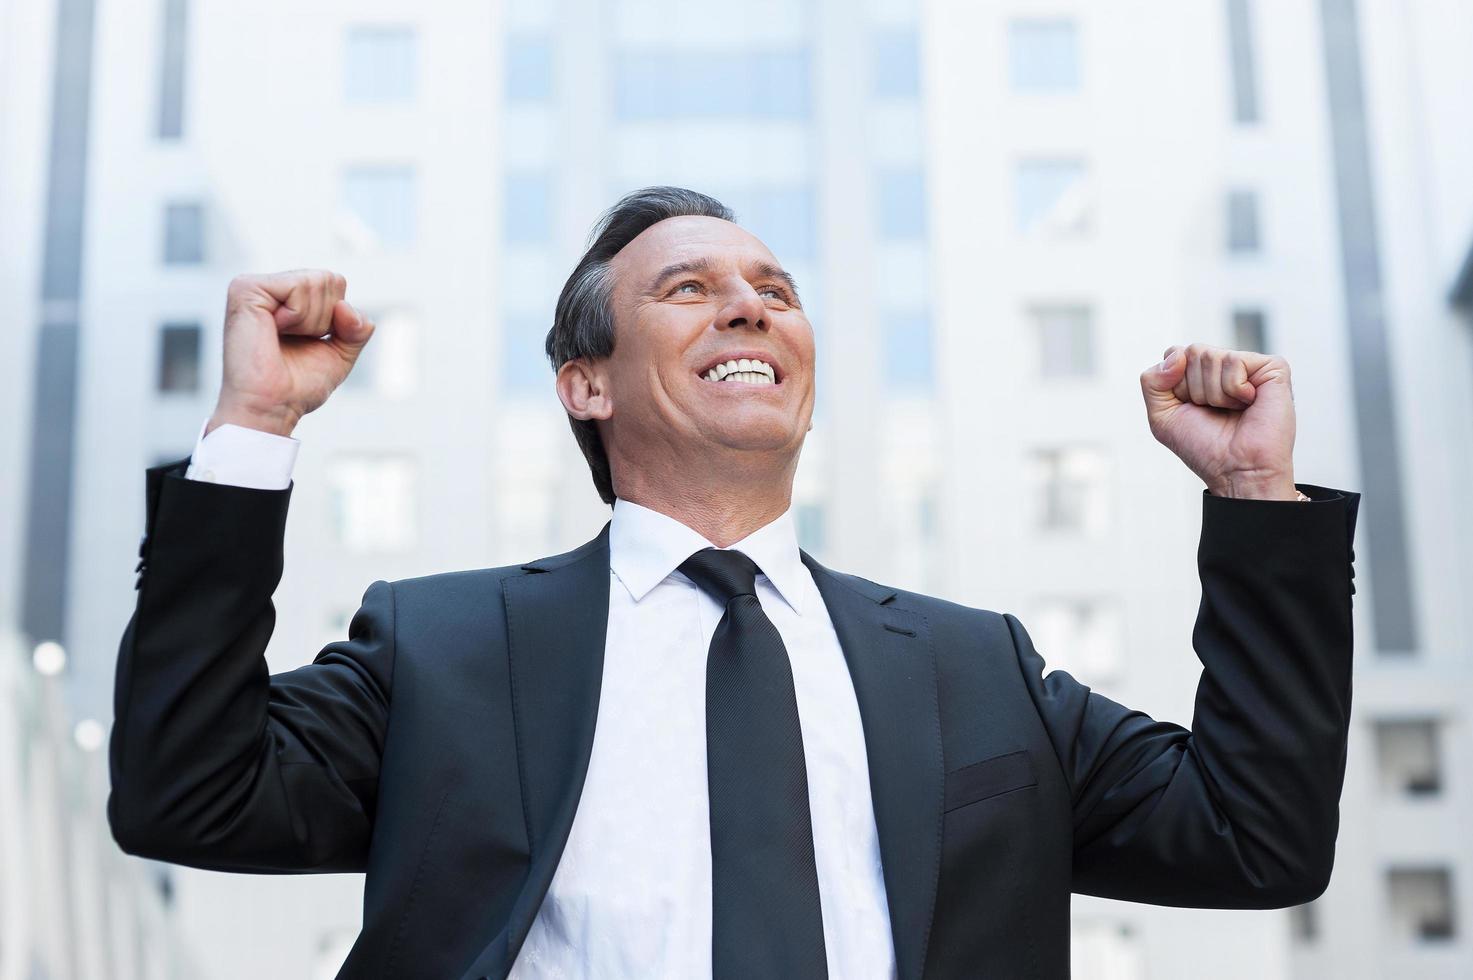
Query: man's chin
{"x": 756, "y": 435}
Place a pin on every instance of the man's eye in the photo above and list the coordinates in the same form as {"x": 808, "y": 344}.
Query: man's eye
{"x": 684, "y": 285}
{"x": 776, "y": 293}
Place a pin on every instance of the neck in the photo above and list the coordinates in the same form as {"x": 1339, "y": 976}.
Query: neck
{"x": 745, "y": 498}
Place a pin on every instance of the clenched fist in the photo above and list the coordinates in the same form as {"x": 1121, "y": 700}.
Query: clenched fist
{"x": 290, "y": 340}
{"x": 1229, "y": 415}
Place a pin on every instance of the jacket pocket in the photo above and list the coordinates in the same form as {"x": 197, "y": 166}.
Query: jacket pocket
{"x": 988, "y": 778}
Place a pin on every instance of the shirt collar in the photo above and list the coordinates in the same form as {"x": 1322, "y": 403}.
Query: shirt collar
{"x": 646, "y": 546}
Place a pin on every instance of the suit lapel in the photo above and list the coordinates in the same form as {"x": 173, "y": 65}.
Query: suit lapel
{"x": 557, "y": 628}
{"x": 893, "y": 668}
{"x": 557, "y": 625}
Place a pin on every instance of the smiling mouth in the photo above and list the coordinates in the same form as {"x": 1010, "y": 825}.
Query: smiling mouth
{"x": 743, "y": 370}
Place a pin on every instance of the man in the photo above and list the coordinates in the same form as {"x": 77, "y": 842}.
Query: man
{"x": 686, "y": 748}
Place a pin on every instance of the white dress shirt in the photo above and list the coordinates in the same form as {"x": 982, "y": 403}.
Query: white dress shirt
{"x": 631, "y": 896}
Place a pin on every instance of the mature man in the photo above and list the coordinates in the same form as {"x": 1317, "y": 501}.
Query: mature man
{"x": 686, "y": 748}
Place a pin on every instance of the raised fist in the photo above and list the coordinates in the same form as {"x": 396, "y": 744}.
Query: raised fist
{"x": 1229, "y": 415}
{"x": 290, "y": 340}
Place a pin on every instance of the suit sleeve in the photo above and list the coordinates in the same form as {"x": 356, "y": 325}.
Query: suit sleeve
{"x": 1242, "y": 810}
{"x": 216, "y": 763}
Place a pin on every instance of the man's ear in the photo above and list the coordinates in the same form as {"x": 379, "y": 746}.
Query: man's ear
{"x": 583, "y": 390}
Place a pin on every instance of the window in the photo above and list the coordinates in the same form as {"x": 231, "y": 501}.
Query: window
{"x": 782, "y": 216}
{"x": 1250, "y": 331}
{"x": 1053, "y": 197}
{"x": 902, "y": 204}
{"x": 179, "y": 357}
{"x": 908, "y": 351}
{"x": 1244, "y": 80}
{"x": 1106, "y": 948}
{"x": 389, "y": 364}
{"x": 380, "y": 64}
{"x": 1304, "y": 922}
{"x": 1081, "y": 635}
{"x": 897, "y": 65}
{"x": 373, "y": 502}
{"x": 1043, "y": 56}
{"x": 1421, "y": 902}
{"x": 524, "y": 365}
{"x": 528, "y": 208}
{"x": 926, "y": 520}
{"x": 1065, "y": 338}
{"x": 1068, "y": 489}
{"x": 378, "y": 206}
{"x": 812, "y": 527}
{"x": 1242, "y": 221}
{"x": 1407, "y": 757}
{"x": 184, "y": 234}
{"x": 665, "y": 85}
{"x": 528, "y": 68}
{"x": 171, "y": 71}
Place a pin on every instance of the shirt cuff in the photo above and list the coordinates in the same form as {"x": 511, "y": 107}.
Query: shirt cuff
{"x": 243, "y": 457}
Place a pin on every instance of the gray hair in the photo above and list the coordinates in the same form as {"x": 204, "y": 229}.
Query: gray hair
{"x": 583, "y": 323}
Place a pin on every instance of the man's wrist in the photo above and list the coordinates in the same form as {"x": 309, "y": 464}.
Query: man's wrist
{"x": 1250, "y": 488}
{"x": 279, "y": 423}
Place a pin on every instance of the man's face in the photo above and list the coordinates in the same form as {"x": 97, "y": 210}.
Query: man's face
{"x": 692, "y": 293}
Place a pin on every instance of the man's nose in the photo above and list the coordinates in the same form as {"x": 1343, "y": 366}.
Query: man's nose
{"x": 744, "y": 309}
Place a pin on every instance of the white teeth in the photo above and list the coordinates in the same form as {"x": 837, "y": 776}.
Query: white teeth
{"x": 748, "y": 370}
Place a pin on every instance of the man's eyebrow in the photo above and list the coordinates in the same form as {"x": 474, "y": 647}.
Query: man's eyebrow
{"x": 760, "y": 270}
{"x": 679, "y": 268}
{"x": 766, "y": 270}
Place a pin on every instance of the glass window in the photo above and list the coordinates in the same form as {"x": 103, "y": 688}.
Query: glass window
{"x": 528, "y": 208}
{"x": 1421, "y": 901}
{"x": 1240, "y": 42}
{"x": 908, "y": 351}
{"x": 528, "y": 68}
{"x": 1106, "y": 948}
{"x": 373, "y": 502}
{"x": 171, "y": 73}
{"x": 179, "y": 357}
{"x": 1242, "y": 221}
{"x": 184, "y": 234}
{"x": 812, "y": 527}
{"x": 1053, "y": 197}
{"x": 525, "y": 368}
{"x": 378, "y": 206}
{"x": 381, "y": 64}
{"x": 389, "y": 364}
{"x": 897, "y": 65}
{"x": 1068, "y": 489}
{"x": 902, "y": 204}
{"x": 782, "y": 216}
{"x": 1407, "y": 758}
{"x": 664, "y": 85}
{"x": 1304, "y": 922}
{"x": 1065, "y": 337}
{"x": 1250, "y": 331}
{"x": 1043, "y": 56}
{"x": 1083, "y": 636}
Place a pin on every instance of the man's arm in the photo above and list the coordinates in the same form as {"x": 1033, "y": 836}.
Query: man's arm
{"x": 1242, "y": 810}
{"x": 242, "y": 456}
{"x": 214, "y": 762}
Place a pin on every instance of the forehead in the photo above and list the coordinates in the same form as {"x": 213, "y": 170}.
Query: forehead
{"x": 688, "y": 237}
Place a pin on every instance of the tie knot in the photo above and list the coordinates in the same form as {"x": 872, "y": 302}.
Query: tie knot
{"x": 722, "y": 574}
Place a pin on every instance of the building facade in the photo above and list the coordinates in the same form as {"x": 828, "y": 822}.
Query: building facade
{"x": 998, "y": 215}
{"x": 1283, "y": 177}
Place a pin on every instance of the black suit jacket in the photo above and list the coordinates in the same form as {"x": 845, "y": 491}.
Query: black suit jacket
{"x": 441, "y": 748}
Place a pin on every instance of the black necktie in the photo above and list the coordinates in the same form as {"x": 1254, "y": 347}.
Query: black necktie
{"x": 765, "y": 916}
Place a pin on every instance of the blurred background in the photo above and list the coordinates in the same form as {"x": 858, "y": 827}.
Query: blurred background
{"x": 999, "y": 213}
